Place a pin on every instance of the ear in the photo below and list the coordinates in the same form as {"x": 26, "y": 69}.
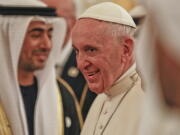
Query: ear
{"x": 128, "y": 47}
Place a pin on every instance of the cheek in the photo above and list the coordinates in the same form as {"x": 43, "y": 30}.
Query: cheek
{"x": 27, "y": 51}
{"x": 111, "y": 68}
{"x": 106, "y": 65}
{"x": 27, "y": 54}
{"x": 29, "y": 46}
{"x": 107, "y": 79}
{"x": 106, "y": 73}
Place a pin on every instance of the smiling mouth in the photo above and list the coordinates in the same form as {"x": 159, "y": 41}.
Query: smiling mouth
{"x": 93, "y": 73}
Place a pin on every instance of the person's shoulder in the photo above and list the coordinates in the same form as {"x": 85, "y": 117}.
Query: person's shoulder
{"x": 65, "y": 87}
{"x": 137, "y": 89}
{"x": 136, "y": 94}
{"x": 67, "y": 93}
{"x": 71, "y": 106}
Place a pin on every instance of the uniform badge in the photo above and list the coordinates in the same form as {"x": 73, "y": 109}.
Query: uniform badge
{"x": 68, "y": 122}
{"x": 73, "y": 72}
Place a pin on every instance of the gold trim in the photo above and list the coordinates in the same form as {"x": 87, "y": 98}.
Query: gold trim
{"x": 75, "y": 99}
{"x": 83, "y": 96}
{"x": 5, "y": 128}
{"x": 60, "y": 111}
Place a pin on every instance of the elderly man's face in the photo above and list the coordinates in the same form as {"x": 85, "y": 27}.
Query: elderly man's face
{"x": 98, "y": 54}
{"x": 36, "y": 47}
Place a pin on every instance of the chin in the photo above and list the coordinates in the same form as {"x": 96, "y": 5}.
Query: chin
{"x": 39, "y": 67}
{"x": 96, "y": 90}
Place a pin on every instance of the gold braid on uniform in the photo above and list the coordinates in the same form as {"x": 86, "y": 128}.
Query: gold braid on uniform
{"x": 60, "y": 112}
{"x": 83, "y": 96}
{"x": 69, "y": 88}
{"x": 5, "y": 128}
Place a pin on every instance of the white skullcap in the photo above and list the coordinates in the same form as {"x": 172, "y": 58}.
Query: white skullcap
{"x": 110, "y": 12}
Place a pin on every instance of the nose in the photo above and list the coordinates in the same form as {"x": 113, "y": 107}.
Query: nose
{"x": 46, "y": 42}
{"x": 82, "y": 62}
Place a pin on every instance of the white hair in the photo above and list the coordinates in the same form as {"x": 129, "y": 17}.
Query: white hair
{"x": 119, "y": 31}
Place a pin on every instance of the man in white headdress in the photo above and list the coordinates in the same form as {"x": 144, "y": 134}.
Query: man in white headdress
{"x": 158, "y": 61}
{"x": 104, "y": 44}
{"x": 29, "y": 96}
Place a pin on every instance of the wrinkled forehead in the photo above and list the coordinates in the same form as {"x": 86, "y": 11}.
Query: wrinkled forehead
{"x": 87, "y": 26}
{"x": 91, "y": 32}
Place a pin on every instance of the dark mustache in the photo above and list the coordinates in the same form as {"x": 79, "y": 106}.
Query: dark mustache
{"x": 41, "y": 51}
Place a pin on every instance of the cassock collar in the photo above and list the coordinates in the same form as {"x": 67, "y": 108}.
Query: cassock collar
{"x": 124, "y": 83}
